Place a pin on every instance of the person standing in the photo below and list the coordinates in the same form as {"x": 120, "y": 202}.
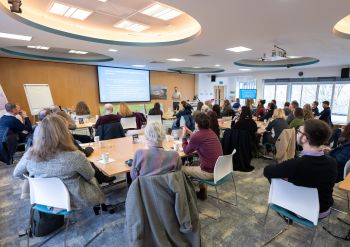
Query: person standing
{"x": 326, "y": 114}
{"x": 314, "y": 108}
{"x": 176, "y": 97}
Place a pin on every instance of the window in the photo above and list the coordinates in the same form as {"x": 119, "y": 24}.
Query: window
{"x": 281, "y": 95}
{"x": 341, "y": 99}
{"x": 269, "y": 92}
{"x": 324, "y": 93}
{"x": 308, "y": 94}
{"x": 296, "y": 93}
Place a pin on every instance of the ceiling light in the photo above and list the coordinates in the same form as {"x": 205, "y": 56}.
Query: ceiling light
{"x": 239, "y": 49}
{"x": 69, "y": 11}
{"x": 217, "y": 65}
{"x": 176, "y": 59}
{"x": 15, "y": 36}
{"x": 196, "y": 67}
{"x": 132, "y": 26}
{"x": 161, "y": 12}
{"x": 291, "y": 57}
{"x": 78, "y": 52}
{"x": 139, "y": 65}
{"x": 102, "y": 1}
{"x": 112, "y": 50}
{"x": 38, "y": 47}
{"x": 245, "y": 69}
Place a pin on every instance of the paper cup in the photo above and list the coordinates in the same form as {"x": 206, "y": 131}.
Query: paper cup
{"x": 96, "y": 138}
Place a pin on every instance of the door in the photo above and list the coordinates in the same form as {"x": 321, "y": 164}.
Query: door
{"x": 219, "y": 95}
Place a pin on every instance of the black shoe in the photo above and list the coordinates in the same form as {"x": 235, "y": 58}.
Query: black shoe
{"x": 202, "y": 194}
{"x": 105, "y": 208}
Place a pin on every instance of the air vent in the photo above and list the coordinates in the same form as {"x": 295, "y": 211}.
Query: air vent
{"x": 156, "y": 62}
{"x": 199, "y": 55}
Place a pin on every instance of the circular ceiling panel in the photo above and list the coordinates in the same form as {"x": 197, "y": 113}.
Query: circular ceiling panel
{"x": 56, "y": 54}
{"x": 196, "y": 70}
{"x": 288, "y": 62}
{"x": 130, "y": 23}
{"x": 342, "y": 28}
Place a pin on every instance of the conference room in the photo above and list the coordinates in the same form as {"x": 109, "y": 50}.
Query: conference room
{"x": 174, "y": 123}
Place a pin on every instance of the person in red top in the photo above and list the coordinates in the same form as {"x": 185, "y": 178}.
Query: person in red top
{"x": 260, "y": 111}
{"x": 208, "y": 147}
{"x": 109, "y": 117}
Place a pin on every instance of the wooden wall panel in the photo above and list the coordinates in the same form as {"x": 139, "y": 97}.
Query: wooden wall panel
{"x": 70, "y": 83}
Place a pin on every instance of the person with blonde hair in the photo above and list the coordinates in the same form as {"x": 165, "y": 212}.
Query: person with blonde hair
{"x": 124, "y": 112}
{"x": 154, "y": 160}
{"x": 275, "y": 127}
{"x": 54, "y": 154}
{"x": 308, "y": 114}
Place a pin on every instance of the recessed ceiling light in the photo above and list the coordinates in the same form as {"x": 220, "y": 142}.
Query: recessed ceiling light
{"x": 245, "y": 69}
{"x": 139, "y": 65}
{"x": 78, "y": 52}
{"x": 176, "y": 59}
{"x": 161, "y": 12}
{"x": 38, "y": 47}
{"x": 217, "y": 65}
{"x": 102, "y": 1}
{"x": 294, "y": 57}
{"x": 239, "y": 49}
{"x": 69, "y": 11}
{"x": 196, "y": 67}
{"x": 112, "y": 50}
{"x": 132, "y": 26}
{"x": 15, "y": 36}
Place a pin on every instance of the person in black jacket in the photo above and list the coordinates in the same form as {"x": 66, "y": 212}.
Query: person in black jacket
{"x": 313, "y": 169}
{"x": 314, "y": 108}
{"x": 10, "y": 121}
{"x": 326, "y": 114}
{"x": 156, "y": 110}
{"x": 246, "y": 122}
{"x": 275, "y": 127}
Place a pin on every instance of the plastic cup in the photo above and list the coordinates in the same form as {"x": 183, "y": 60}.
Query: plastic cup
{"x": 105, "y": 157}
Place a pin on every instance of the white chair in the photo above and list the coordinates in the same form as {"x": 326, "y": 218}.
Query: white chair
{"x": 128, "y": 123}
{"x": 297, "y": 203}
{"x": 50, "y": 195}
{"x": 345, "y": 173}
{"x": 154, "y": 119}
{"x": 223, "y": 172}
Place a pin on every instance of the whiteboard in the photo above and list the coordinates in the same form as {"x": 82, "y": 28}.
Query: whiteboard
{"x": 38, "y": 97}
{"x": 3, "y": 101}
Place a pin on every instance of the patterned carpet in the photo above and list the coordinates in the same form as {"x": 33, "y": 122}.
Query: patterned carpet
{"x": 238, "y": 226}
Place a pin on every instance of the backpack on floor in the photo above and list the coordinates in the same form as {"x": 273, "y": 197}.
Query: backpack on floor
{"x": 43, "y": 224}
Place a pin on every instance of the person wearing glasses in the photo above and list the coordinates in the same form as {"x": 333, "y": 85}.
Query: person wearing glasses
{"x": 313, "y": 169}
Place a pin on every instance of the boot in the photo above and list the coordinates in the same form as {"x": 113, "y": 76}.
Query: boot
{"x": 202, "y": 193}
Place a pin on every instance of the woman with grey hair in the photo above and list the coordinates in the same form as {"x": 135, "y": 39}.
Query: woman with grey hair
{"x": 154, "y": 160}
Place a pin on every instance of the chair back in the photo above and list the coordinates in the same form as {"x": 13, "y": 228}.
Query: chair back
{"x": 128, "y": 123}
{"x": 110, "y": 131}
{"x": 225, "y": 119}
{"x": 8, "y": 144}
{"x": 154, "y": 119}
{"x": 285, "y": 145}
{"x": 346, "y": 169}
{"x": 49, "y": 192}
{"x": 300, "y": 200}
{"x": 223, "y": 166}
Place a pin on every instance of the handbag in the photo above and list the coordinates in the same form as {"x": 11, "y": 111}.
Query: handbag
{"x": 43, "y": 224}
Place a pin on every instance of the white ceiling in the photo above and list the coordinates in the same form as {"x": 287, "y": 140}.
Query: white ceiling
{"x": 302, "y": 27}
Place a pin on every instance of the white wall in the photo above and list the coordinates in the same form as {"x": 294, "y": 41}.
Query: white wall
{"x": 204, "y": 87}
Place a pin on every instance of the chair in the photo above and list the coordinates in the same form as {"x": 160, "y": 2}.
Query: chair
{"x": 110, "y": 131}
{"x": 8, "y": 145}
{"x": 50, "y": 195}
{"x": 297, "y": 203}
{"x": 154, "y": 118}
{"x": 128, "y": 123}
{"x": 223, "y": 171}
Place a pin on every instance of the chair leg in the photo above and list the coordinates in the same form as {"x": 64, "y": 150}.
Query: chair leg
{"x": 234, "y": 185}
{"x": 29, "y": 230}
{"x": 65, "y": 232}
{"x": 347, "y": 195}
{"x": 313, "y": 236}
{"x": 218, "y": 200}
{"x": 263, "y": 231}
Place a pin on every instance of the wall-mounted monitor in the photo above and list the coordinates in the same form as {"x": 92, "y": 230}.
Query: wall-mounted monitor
{"x": 247, "y": 93}
{"x": 123, "y": 85}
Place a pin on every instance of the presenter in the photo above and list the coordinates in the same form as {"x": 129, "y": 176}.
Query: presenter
{"x": 176, "y": 97}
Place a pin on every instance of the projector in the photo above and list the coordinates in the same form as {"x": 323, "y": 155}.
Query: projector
{"x": 277, "y": 54}
{"x": 15, "y": 6}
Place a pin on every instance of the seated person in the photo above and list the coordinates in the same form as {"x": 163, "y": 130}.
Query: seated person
{"x": 326, "y": 114}
{"x": 216, "y": 109}
{"x": 286, "y": 108}
{"x": 236, "y": 105}
{"x": 313, "y": 169}
{"x": 54, "y": 154}
{"x": 125, "y": 112}
{"x": 185, "y": 112}
{"x": 154, "y": 160}
{"x": 314, "y": 108}
{"x": 246, "y": 122}
{"x": 341, "y": 153}
{"x": 292, "y": 108}
{"x": 208, "y": 147}
{"x": 156, "y": 110}
{"x": 269, "y": 111}
{"x": 199, "y": 109}
{"x": 81, "y": 110}
{"x": 227, "y": 110}
{"x": 260, "y": 111}
{"x": 9, "y": 120}
{"x": 308, "y": 114}
{"x": 54, "y": 109}
{"x": 109, "y": 117}
{"x": 213, "y": 123}
{"x": 18, "y": 116}
{"x": 298, "y": 119}
{"x": 275, "y": 127}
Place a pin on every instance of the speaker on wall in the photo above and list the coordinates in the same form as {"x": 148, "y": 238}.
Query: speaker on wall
{"x": 345, "y": 72}
{"x": 213, "y": 78}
